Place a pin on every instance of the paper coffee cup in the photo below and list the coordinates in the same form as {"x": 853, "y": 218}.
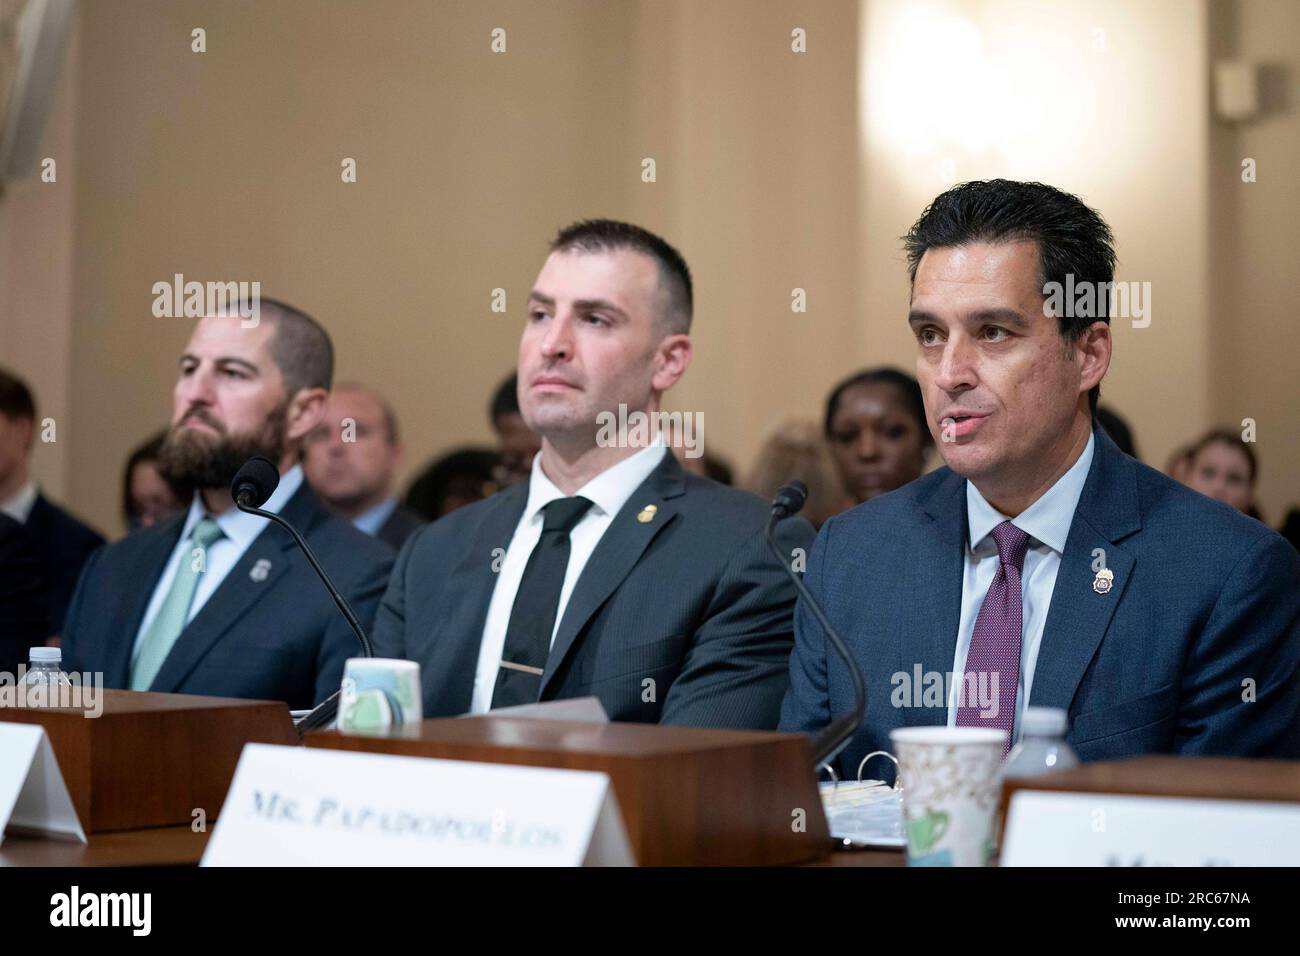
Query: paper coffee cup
{"x": 950, "y": 792}
{"x": 379, "y": 693}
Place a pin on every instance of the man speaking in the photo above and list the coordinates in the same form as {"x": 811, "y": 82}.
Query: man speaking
{"x": 610, "y": 572}
{"x": 1043, "y": 566}
{"x": 217, "y": 601}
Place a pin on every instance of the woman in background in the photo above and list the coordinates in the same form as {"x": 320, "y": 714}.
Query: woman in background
{"x": 1223, "y": 467}
{"x": 148, "y": 497}
{"x": 876, "y": 428}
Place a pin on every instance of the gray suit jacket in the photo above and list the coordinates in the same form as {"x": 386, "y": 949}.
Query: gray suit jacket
{"x": 1195, "y": 649}
{"x": 685, "y": 619}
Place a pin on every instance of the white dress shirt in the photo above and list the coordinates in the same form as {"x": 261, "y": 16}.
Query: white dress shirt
{"x": 19, "y": 507}
{"x": 1047, "y": 522}
{"x": 608, "y": 492}
{"x": 222, "y": 555}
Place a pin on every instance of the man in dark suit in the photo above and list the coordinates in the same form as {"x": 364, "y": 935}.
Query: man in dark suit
{"x": 351, "y": 459}
{"x": 217, "y": 601}
{"x": 610, "y": 572}
{"x": 24, "y": 617}
{"x": 62, "y": 542}
{"x": 1043, "y": 567}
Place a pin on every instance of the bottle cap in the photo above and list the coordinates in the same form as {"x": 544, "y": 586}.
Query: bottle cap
{"x": 1044, "y": 722}
{"x": 45, "y": 654}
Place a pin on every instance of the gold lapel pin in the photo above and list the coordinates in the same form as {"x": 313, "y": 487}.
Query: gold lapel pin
{"x": 1104, "y": 580}
{"x": 647, "y": 514}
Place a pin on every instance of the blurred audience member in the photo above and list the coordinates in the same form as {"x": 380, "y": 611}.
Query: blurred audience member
{"x": 24, "y": 619}
{"x": 458, "y": 478}
{"x": 798, "y": 449}
{"x": 1291, "y": 528}
{"x": 351, "y": 460}
{"x": 62, "y": 542}
{"x": 148, "y": 497}
{"x": 1118, "y": 430}
{"x": 1179, "y": 463}
{"x": 516, "y": 443}
{"x": 876, "y": 427}
{"x": 1223, "y": 467}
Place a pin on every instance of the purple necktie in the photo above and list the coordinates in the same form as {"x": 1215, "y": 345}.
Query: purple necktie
{"x": 995, "y": 645}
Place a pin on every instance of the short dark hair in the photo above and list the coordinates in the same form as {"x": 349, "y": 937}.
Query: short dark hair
{"x": 300, "y": 347}
{"x": 16, "y": 400}
{"x": 606, "y": 235}
{"x": 1072, "y": 238}
{"x": 505, "y": 400}
{"x": 907, "y": 386}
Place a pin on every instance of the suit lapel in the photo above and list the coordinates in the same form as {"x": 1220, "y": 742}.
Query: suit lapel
{"x": 936, "y": 574}
{"x": 1078, "y": 616}
{"x": 449, "y": 674}
{"x": 620, "y": 547}
{"x": 240, "y": 590}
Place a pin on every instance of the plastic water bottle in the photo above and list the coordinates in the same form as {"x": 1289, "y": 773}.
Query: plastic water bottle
{"x": 45, "y": 668}
{"x": 1042, "y": 746}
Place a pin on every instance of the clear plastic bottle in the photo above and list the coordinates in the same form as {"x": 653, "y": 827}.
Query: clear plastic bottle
{"x": 45, "y": 668}
{"x": 1042, "y": 746}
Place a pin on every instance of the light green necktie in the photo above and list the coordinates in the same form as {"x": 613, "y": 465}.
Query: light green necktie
{"x": 170, "y": 620}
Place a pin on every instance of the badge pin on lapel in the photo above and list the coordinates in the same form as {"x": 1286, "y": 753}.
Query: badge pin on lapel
{"x": 1104, "y": 580}
{"x": 647, "y": 514}
{"x": 260, "y": 571}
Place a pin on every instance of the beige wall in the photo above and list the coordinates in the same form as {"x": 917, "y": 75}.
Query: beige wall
{"x": 773, "y": 172}
{"x": 37, "y": 247}
{"x": 1256, "y": 238}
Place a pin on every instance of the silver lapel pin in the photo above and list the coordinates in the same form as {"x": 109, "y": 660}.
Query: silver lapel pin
{"x": 1104, "y": 580}
{"x": 260, "y": 571}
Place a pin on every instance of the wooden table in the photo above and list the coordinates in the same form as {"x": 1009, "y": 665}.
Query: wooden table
{"x": 160, "y": 846}
{"x": 181, "y": 846}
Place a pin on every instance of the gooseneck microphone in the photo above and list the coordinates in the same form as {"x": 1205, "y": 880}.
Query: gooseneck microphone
{"x": 836, "y": 735}
{"x": 254, "y": 483}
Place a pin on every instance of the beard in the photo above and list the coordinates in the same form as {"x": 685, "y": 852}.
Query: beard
{"x": 200, "y": 460}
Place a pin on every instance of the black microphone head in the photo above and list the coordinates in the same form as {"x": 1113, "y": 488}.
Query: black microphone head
{"x": 790, "y": 499}
{"x": 255, "y": 481}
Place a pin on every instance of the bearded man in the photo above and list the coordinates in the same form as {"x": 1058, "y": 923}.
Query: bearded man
{"x": 216, "y": 601}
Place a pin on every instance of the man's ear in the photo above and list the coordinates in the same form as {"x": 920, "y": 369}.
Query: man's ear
{"x": 672, "y": 359}
{"x": 306, "y": 409}
{"x": 1094, "y": 352}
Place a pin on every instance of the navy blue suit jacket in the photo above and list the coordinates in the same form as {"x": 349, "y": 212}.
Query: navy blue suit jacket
{"x": 277, "y": 637}
{"x": 63, "y": 545}
{"x": 1195, "y": 649}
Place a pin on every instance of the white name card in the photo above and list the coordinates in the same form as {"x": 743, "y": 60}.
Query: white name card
{"x": 295, "y": 806}
{"x": 33, "y": 795}
{"x": 1046, "y": 828}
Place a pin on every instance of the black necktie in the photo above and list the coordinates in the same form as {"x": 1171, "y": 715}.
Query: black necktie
{"x": 532, "y": 618}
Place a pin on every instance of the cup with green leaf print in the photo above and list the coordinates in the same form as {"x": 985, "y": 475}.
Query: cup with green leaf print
{"x": 950, "y": 792}
{"x": 379, "y": 694}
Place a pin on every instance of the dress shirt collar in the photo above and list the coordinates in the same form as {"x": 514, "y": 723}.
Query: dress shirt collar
{"x": 371, "y": 521}
{"x": 19, "y": 507}
{"x": 1047, "y": 520}
{"x": 608, "y": 491}
{"x": 239, "y": 527}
